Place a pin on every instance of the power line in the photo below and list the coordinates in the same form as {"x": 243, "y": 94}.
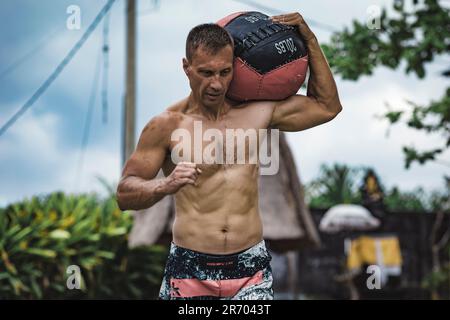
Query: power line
{"x": 274, "y": 11}
{"x": 105, "y": 50}
{"x": 58, "y": 69}
{"x": 88, "y": 121}
{"x": 25, "y": 57}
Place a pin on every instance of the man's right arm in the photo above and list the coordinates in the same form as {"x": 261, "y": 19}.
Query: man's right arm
{"x": 137, "y": 188}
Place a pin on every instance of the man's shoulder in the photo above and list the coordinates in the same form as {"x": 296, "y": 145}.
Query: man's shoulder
{"x": 170, "y": 117}
{"x": 254, "y": 105}
{"x": 259, "y": 112}
{"x": 178, "y": 107}
{"x": 161, "y": 126}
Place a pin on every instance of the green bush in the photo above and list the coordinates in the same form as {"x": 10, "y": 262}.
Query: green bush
{"x": 40, "y": 238}
{"x": 438, "y": 282}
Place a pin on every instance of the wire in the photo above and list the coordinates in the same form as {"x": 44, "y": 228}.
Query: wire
{"x": 88, "y": 121}
{"x": 25, "y": 57}
{"x": 105, "y": 50}
{"x": 274, "y": 11}
{"x": 58, "y": 69}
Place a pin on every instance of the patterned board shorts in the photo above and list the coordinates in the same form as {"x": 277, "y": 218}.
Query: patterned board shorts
{"x": 245, "y": 275}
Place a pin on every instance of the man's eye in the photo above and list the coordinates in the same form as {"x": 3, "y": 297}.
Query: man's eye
{"x": 207, "y": 73}
{"x": 225, "y": 72}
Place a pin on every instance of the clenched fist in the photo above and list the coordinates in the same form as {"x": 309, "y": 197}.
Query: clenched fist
{"x": 184, "y": 173}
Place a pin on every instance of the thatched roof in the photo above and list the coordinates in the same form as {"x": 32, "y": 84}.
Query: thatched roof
{"x": 287, "y": 222}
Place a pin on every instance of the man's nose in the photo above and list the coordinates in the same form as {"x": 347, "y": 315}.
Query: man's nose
{"x": 216, "y": 84}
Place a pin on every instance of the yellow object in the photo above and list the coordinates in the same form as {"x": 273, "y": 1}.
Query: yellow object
{"x": 371, "y": 185}
{"x": 374, "y": 251}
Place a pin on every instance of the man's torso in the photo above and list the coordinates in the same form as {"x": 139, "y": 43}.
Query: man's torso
{"x": 220, "y": 214}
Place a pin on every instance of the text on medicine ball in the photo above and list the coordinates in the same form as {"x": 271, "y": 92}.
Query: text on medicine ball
{"x": 285, "y": 45}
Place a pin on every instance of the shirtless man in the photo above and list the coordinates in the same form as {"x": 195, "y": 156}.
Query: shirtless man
{"x": 218, "y": 250}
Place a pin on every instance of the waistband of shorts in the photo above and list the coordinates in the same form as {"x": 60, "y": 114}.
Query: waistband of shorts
{"x": 183, "y": 261}
{"x": 192, "y": 253}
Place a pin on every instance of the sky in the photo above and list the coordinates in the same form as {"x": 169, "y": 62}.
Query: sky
{"x": 41, "y": 152}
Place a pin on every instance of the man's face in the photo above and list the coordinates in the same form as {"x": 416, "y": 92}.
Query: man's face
{"x": 210, "y": 75}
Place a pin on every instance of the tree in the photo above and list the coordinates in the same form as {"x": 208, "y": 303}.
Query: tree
{"x": 415, "y": 37}
{"x": 336, "y": 184}
{"x": 339, "y": 183}
{"x": 414, "y": 200}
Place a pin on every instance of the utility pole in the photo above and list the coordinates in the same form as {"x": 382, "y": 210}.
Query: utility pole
{"x": 129, "y": 124}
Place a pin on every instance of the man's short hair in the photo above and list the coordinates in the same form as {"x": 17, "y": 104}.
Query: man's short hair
{"x": 210, "y": 36}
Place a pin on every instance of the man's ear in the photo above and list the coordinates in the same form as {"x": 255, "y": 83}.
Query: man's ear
{"x": 186, "y": 66}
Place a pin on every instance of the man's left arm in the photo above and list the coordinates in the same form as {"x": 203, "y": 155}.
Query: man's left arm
{"x": 321, "y": 104}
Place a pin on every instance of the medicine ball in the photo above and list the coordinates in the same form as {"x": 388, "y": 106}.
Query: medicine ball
{"x": 270, "y": 58}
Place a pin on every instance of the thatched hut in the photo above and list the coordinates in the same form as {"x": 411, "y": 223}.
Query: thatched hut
{"x": 287, "y": 222}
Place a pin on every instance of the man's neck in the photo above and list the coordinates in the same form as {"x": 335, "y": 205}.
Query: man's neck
{"x": 211, "y": 113}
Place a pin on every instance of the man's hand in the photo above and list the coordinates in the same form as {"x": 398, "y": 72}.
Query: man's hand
{"x": 184, "y": 173}
{"x": 295, "y": 19}
{"x": 321, "y": 103}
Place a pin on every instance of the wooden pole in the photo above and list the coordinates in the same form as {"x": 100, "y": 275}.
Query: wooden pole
{"x": 130, "y": 95}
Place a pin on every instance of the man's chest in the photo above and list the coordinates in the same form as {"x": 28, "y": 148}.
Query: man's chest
{"x": 224, "y": 142}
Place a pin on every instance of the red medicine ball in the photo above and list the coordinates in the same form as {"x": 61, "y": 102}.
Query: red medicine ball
{"x": 270, "y": 58}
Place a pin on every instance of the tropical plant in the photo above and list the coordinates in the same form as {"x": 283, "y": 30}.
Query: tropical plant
{"x": 41, "y": 237}
{"x": 336, "y": 184}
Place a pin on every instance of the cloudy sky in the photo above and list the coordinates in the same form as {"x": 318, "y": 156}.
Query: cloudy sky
{"x": 41, "y": 152}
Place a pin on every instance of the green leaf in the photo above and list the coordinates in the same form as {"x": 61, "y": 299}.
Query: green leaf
{"x": 106, "y": 254}
{"x": 94, "y": 237}
{"x": 116, "y": 231}
{"x": 42, "y": 252}
{"x": 36, "y": 288}
{"x": 21, "y": 234}
{"x": 4, "y": 275}
{"x": 59, "y": 234}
